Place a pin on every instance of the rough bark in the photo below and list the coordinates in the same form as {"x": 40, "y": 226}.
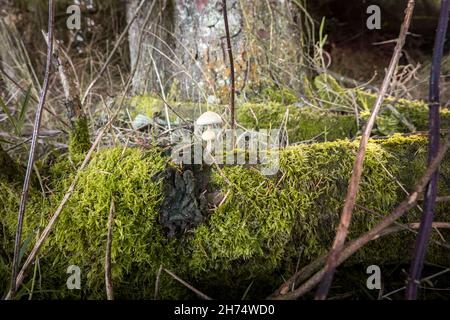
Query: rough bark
{"x": 191, "y": 55}
{"x": 157, "y": 43}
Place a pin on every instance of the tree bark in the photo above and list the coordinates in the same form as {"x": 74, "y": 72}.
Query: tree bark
{"x": 185, "y": 47}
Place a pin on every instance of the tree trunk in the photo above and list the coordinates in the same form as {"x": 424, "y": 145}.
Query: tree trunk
{"x": 152, "y": 71}
{"x": 190, "y": 57}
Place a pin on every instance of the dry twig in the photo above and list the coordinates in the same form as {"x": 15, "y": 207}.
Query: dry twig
{"x": 187, "y": 285}
{"x": 108, "y": 277}
{"x": 352, "y": 192}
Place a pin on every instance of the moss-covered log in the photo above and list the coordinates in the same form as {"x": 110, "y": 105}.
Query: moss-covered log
{"x": 254, "y": 235}
{"x": 308, "y": 122}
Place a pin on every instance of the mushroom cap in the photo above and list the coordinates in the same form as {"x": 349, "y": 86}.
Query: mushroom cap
{"x": 209, "y": 118}
{"x": 208, "y": 135}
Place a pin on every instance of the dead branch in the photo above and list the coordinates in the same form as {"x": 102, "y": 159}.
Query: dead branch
{"x": 352, "y": 192}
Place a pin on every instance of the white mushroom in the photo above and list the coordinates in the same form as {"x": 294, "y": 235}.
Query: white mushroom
{"x": 209, "y": 136}
{"x": 208, "y": 119}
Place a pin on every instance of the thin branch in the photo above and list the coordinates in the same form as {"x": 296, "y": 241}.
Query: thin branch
{"x": 232, "y": 74}
{"x": 443, "y": 199}
{"x": 108, "y": 277}
{"x": 37, "y": 125}
{"x": 187, "y": 285}
{"x": 372, "y": 234}
{"x": 352, "y": 192}
{"x": 423, "y": 280}
{"x": 424, "y": 235}
{"x": 157, "y": 282}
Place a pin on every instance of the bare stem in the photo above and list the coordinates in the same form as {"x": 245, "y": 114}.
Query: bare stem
{"x": 423, "y": 237}
{"x": 232, "y": 73}
{"x": 37, "y": 125}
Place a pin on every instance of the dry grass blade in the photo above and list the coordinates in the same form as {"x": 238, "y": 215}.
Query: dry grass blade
{"x": 108, "y": 277}
{"x": 187, "y": 285}
{"x": 108, "y": 60}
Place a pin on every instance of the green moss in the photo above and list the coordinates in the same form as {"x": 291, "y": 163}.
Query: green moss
{"x": 139, "y": 247}
{"x": 256, "y": 235}
{"x": 413, "y": 112}
{"x": 303, "y": 124}
{"x": 327, "y": 114}
{"x": 265, "y": 222}
{"x": 274, "y": 94}
{"x": 79, "y": 137}
{"x": 145, "y": 105}
{"x": 33, "y": 222}
{"x": 409, "y": 116}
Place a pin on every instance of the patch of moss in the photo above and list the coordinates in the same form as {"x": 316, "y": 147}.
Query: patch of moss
{"x": 303, "y": 124}
{"x": 256, "y": 235}
{"x": 408, "y": 116}
{"x": 413, "y": 112}
{"x": 274, "y": 94}
{"x": 139, "y": 246}
{"x": 33, "y": 223}
{"x": 328, "y": 116}
{"x": 265, "y": 222}
{"x": 79, "y": 137}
